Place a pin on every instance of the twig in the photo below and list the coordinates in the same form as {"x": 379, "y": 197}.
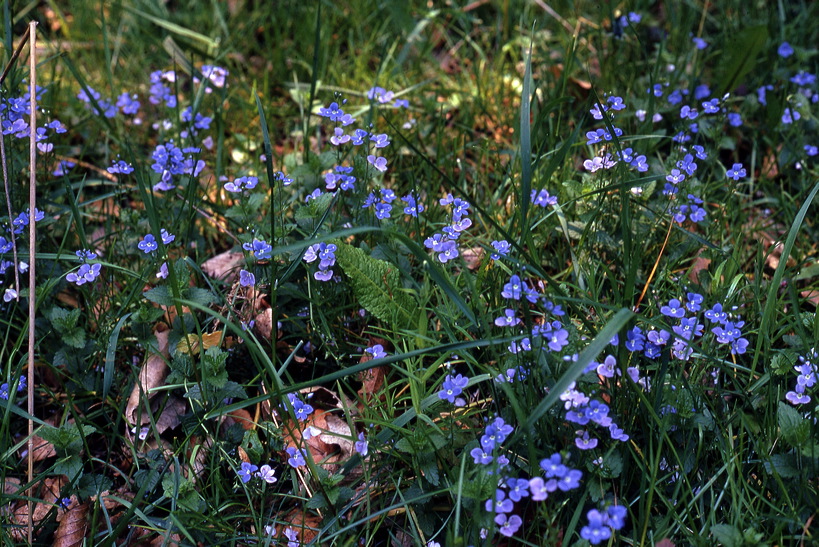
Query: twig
{"x": 32, "y": 244}
{"x": 13, "y": 58}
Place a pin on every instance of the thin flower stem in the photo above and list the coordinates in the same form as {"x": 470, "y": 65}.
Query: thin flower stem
{"x": 32, "y": 243}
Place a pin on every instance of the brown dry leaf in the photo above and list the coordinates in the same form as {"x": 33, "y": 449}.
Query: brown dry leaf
{"x": 305, "y": 525}
{"x": 664, "y": 543}
{"x": 264, "y": 324}
{"x": 49, "y": 493}
{"x": 473, "y": 257}
{"x": 190, "y": 343}
{"x": 332, "y": 445}
{"x": 372, "y": 380}
{"x": 700, "y": 264}
{"x": 239, "y": 416}
{"x": 174, "y": 409}
{"x": 11, "y": 485}
{"x": 811, "y": 297}
{"x": 224, "y": 266}
{"x": 152, "y": 375}
{"x": 73, "y": 526}
{"x": 42, "y": 449}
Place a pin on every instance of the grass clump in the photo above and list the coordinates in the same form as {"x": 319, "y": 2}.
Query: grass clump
{"x": 447, "y": 276}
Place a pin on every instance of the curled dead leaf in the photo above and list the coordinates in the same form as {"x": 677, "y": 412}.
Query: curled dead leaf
{"x": 264, "y": 324}
{"x": 73, "y": 526}
{"x": 151, "y": 375}
{"x": 305, "y": 525}
{"x": 224, "y": 266}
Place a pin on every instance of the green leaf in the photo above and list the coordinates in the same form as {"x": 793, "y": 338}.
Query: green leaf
{"x": 405, "y": 445}
{"x": 742, "y": 55}
{"x": 66, "y": 439}
{"x": 795, "y": 429}
{"x": 728, "y": 535}
{"x": 159, "y": 295}
{"x": 377, "y": 286}
{"x": 201, "y": 296}
{"x": 785, "y": 465}
{"x": 93, "y": 484}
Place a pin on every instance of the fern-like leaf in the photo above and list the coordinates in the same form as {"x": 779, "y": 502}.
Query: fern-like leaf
{"x": 377, "y": 286}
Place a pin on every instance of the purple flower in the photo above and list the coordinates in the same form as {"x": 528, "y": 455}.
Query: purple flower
{"x": 508, "y": 319}
{"x": 543, "y": 198}
{"x": 734, "y": 119}
{"x": 376, "y": 351}
{"x": 584, "y": 442}
{"x": 267, "y": 474}
{"x": 121, "y": 167}
{"x": 246, "y": 279}
{"x": 508, "y": 526}
{"x": 452, "y": 387}
{"x": 500, "y": 504}
{"x": 361, "y": 445}
{"x": 673, "y": 309}
{"x": 784, "y": 50}
{"x": 538, "y": 489}
{"x": 480, "y": 457}
{"x": 380, "y": 163}
{"x": 448, "y": 251}
{"x": 570, "y": 480}
{"x": 296, "y": 458}
{"x": 501, "y": 247}
{"x": 518, "y": 489}
{"x": 246, "y": 471}
{"x": 596, "y": 531}
{"x": 259, "y": 248}
{"x": 148, "y": 244}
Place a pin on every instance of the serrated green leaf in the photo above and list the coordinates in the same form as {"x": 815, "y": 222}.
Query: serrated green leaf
{"x": 727, "y": 535}
{"x": 202, "y": 297}
{"x": 785, "y": 466}
{"x": 429, "y": 467}
{"x": 159, "y": 295}
{"x": 795, "y": 429}
{"x": 318, "y": 501}
{"x": 377, "y": 286}
{"x": 405, "y": 445}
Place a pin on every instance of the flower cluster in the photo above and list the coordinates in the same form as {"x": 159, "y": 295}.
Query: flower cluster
{"x": 324, "y": 253}
{"x": 87, "y": 272}
{"x": 557, "y": 476}
{"x": 242, "y": 183}
{"x": 444, "y": 244}
{"x": 605, "y": 159}
{"x": 169, "y": 160}
{"x": 452, "y": 387}
{"x": 807, "y": 371}
{"x": 602, "y": 525}
{"x": 248, "y": 471}
{"x": 259, "y": 248}
{"x": 148, "y": 244}
{"x": 582, "y": 410}
{"x": 4, "y": 387}
{"x": 494, "y": 434}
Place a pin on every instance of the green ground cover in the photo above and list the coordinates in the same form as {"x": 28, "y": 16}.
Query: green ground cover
{"x": 411, "y": 273}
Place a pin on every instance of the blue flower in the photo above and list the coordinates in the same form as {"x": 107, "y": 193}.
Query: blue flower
{"x": 361, "y": 445}
{"x": 784, "y": 50}
{"x": 376, "y": 351}
{"x": 380, "y": 163}
{"x": 508, "y": 319}
{"x": 246, "y": 471}
{"x": 246, "y": 279}
{"x": 734, "y": 119}
{"x": 596, "y": 531}
{"x": 501, "y": 247}
{"x": 121, "y": 167}
{"x": 736, "y": 172}
{"x": 452, "y": 387}
{"x": 508, "y": 526}
{"x": 148, "y": 244}
{"x": 267, "y": 474}
{"x": 500, "y": 504}
{"x": 296, "y": 458}
{"x": 259, "y": 248}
